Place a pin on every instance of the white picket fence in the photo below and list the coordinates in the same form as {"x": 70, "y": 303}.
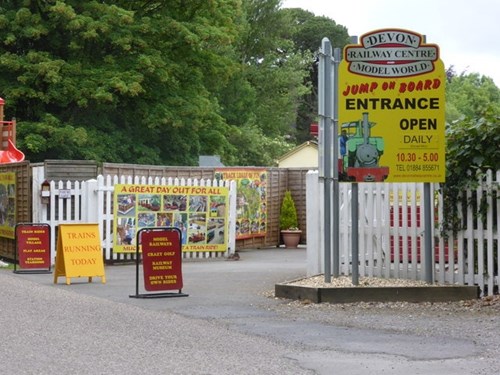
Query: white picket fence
{"x": 92, "y": 202}
{"x": 386, "y": 249}
{"x": 391, "y": 234}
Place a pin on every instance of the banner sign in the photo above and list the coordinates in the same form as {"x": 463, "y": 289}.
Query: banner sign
{"x": 392, "y": 109}
{"x": 8, "y": 217}
{"x": 199, "y": 212}
{"x": 251, "y": 201}
{"x": 33, "y": 246}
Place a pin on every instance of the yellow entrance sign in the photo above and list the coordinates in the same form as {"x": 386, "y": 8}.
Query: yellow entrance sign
{"x": 79, "y": 252}
{"x": 392, "y": 109}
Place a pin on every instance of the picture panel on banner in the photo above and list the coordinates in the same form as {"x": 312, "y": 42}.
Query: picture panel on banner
{"x": 392, "y": 109}
{"x": 251, "y": 201}
{"x": 199, "y": 212}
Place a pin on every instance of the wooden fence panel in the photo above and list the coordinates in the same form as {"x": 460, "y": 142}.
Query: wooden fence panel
{"x": 297, "y": 186}
{"x": 134, "y": 170}
{"x": 23, "y": 202}
{"x": 70, "y": 170}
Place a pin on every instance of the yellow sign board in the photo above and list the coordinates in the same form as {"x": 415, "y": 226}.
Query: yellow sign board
{"x": 8, "y": 200}
{"x": 199, "y": 212}
{"x": 392, "y": 109}
{"x": 79, "y": 252}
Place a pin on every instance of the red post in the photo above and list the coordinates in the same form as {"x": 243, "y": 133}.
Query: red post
{"x": 7, "y": 129}
{"x": 2, "y": 102}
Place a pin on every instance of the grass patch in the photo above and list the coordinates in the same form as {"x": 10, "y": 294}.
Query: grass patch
{"x": 9, "y": 266}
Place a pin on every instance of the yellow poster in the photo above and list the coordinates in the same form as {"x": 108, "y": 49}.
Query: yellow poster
{"x": 392, "y": 109}
{"x": 8, "y": 218}
{"x": 198, "y": 211}
{"x": 251, "y": 202}
{"x": 79, "y": 252}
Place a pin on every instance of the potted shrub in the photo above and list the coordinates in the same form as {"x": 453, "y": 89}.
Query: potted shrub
{"x": 290, "y": 231}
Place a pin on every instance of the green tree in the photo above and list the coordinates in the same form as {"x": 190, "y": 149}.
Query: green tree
{"x": 153, "y": 82}
{"x": 259, "y": 99}
{"x": 472, "y": 137}
{"x": 91, "y": 79}
{"x": 470, "y": 95}
{"x": 307, "y": 32}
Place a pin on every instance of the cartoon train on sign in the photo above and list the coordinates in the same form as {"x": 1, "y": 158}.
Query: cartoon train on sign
{"x": 361, "y": 155}
{"x": 8, "y": 151}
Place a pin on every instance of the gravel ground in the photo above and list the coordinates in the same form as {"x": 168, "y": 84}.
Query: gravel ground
{"x": 484, "y": 304}
{"x": 344, "y": 281}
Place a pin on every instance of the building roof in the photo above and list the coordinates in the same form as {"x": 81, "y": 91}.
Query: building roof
{"x": 209, "y": 161}
{"x": 304, "y": 155}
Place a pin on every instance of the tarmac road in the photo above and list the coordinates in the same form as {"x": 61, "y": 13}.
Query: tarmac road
{"x": 228, "y": 324}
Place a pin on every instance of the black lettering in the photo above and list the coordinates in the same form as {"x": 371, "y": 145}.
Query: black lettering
{"x": 388, "y": 103}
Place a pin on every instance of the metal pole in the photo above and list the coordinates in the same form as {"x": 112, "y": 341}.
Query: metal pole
{"x": 428, "y": 240}
{"x": 336, "y": 153}
{"x": 355, "y": 233}
{"x": 428, "y": 234}
{"x": 325, "y": 102}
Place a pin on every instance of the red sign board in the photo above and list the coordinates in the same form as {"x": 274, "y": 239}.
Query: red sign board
{"x": 33, "y": 245}
{"x": 161, "y": 259}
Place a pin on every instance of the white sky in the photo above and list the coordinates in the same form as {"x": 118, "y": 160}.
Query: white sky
{"x": 466, "y": 31}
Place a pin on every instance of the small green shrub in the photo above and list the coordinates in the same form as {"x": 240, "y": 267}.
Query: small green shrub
{"x": 288, "y": 213}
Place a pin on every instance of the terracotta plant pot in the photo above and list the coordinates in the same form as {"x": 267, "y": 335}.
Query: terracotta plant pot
{"x": 291, "y": 238}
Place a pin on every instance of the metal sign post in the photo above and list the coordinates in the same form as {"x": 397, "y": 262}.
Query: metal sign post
{"x": 325, "y": 106}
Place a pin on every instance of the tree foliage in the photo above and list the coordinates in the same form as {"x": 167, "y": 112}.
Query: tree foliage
{"x": 472, "y": 138}
{"x": 155, "y": 82}
{"x": 164, "y": 81}
{"x": 91, "y": 79}
{"x": 272, "y": 74}
{"x": 307, "y": 32}
{"x": 470, "y": 95}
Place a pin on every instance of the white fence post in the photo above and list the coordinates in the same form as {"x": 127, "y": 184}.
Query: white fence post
{"x": 39, "y": 210}
{"x": 345, "y": 229}
{"x": 232, "y": 218}
{"x": 314, "y": 253}
{"x": 89, "y": 196}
